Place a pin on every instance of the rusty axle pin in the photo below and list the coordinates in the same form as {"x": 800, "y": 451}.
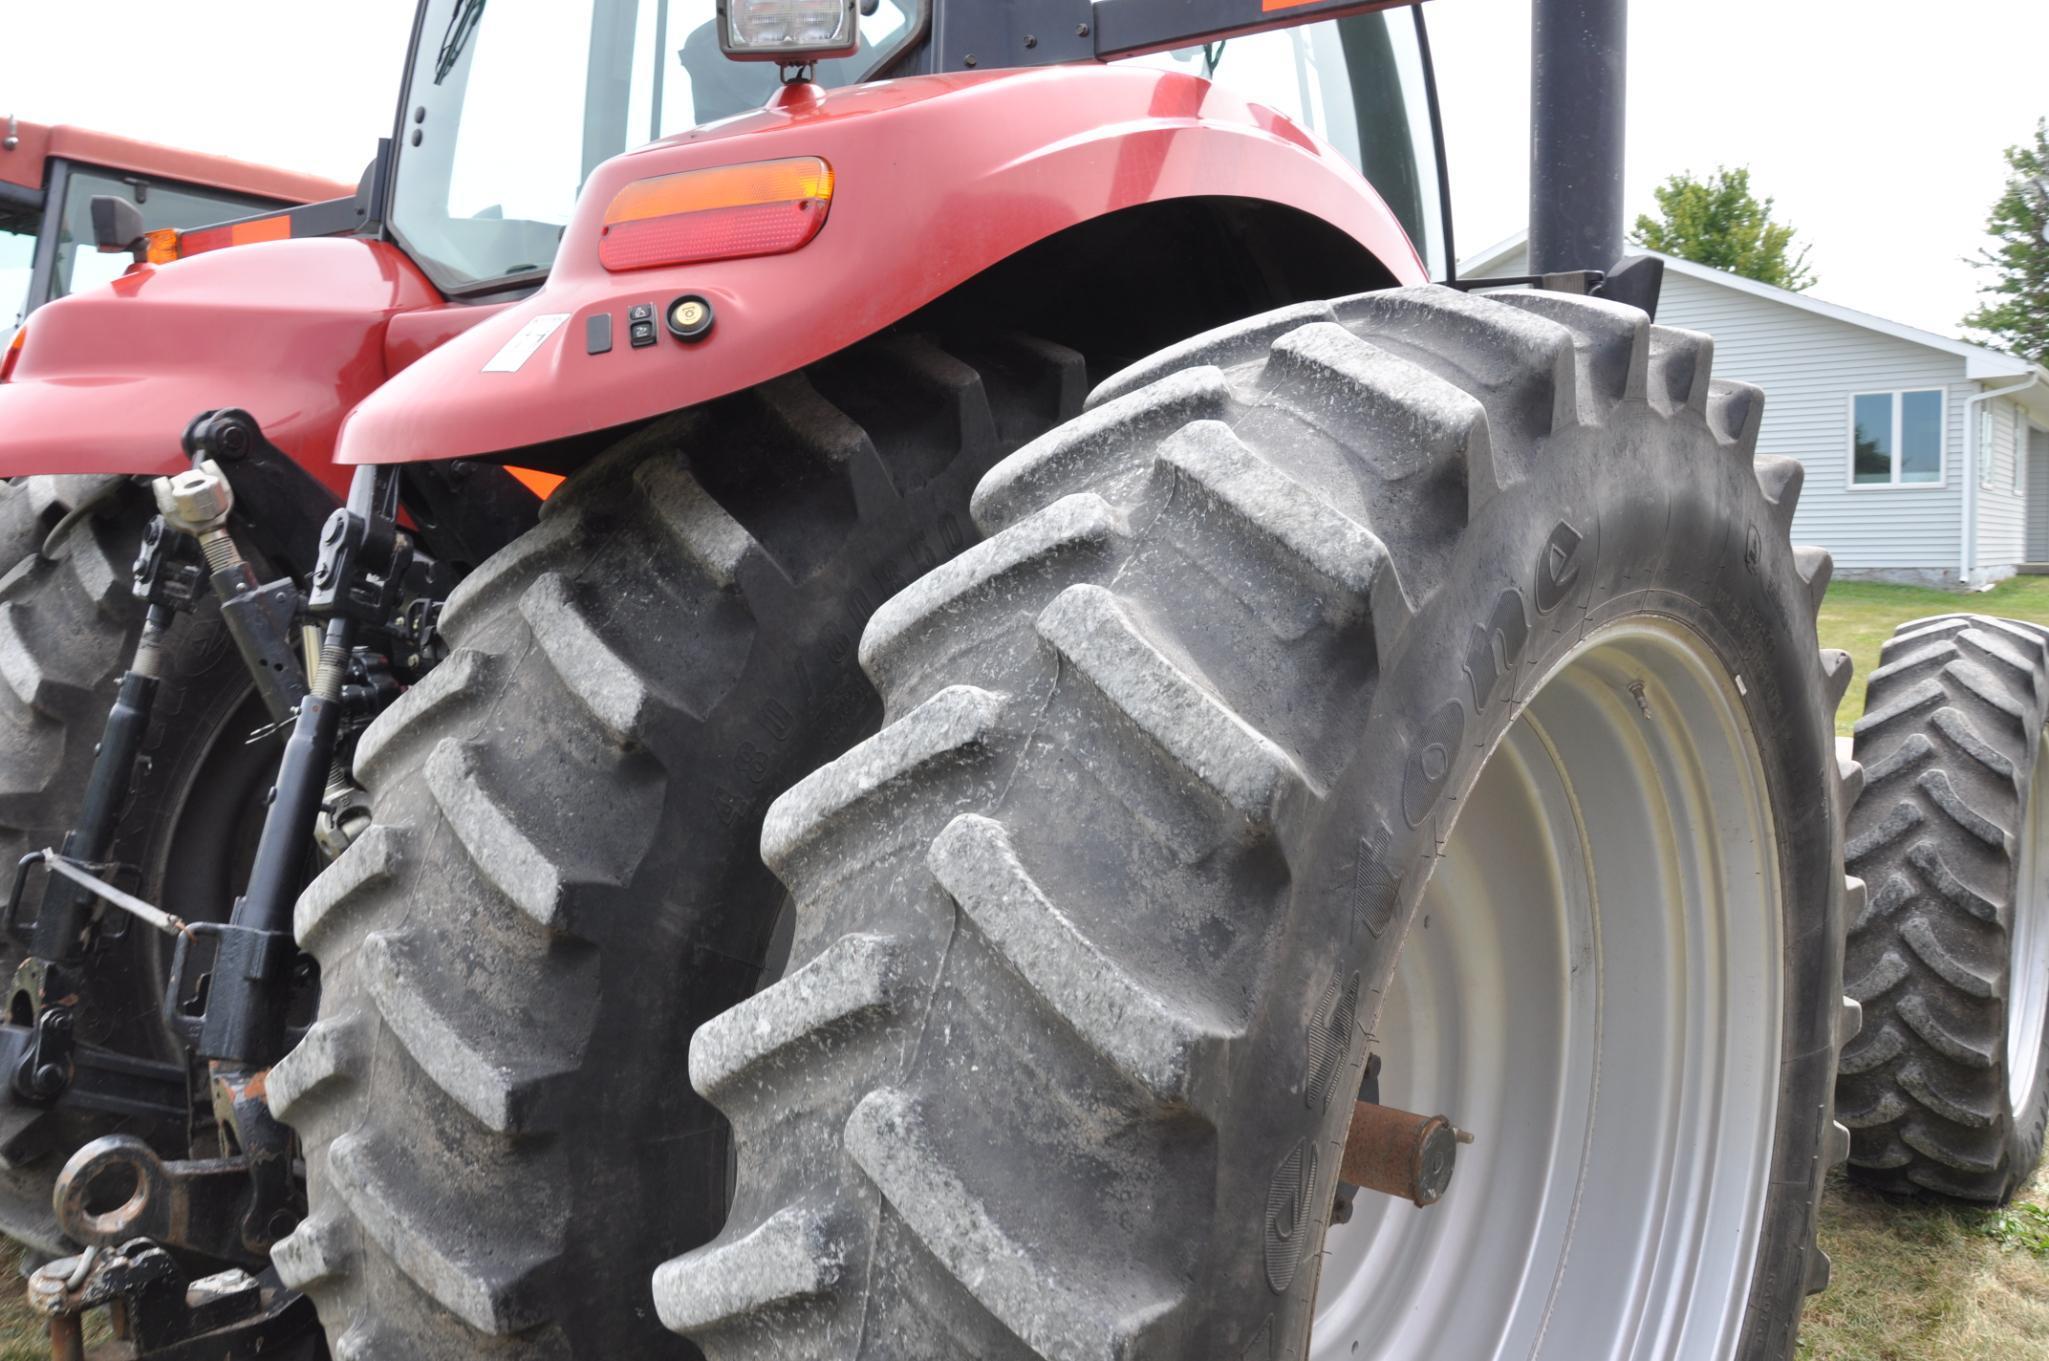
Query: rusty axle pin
{"x": 1399, "y": 1154}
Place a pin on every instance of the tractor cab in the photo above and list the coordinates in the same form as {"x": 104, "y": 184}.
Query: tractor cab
{"x": 492, "y": 151}
{"x": 50, "y": 175}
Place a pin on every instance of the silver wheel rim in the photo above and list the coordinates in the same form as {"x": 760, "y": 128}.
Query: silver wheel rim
{"x": 1592, "y": 985}
{"x": 2028, "y": 939}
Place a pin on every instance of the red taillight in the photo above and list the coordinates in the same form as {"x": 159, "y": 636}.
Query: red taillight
{"x": 13, "y": 355}
{"x": 765, "y": 208}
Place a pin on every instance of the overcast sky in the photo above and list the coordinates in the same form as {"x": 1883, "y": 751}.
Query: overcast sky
{"x": 1876, "y": 124}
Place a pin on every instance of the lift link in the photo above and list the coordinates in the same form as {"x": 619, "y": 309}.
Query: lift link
{"x": 237, "y": 1022}
{"x": 363, "y": 561}
{"x": 259, "y": 615}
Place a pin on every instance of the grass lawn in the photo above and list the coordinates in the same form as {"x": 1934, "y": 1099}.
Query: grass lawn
{"x": 1924, "y": 1282}
{"x": 1913, "y": 1282}
{"x": 1859, "y": 616}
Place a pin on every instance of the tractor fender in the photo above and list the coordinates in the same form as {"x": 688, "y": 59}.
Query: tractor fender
{"x": 294, "y": 332}
{"x": 937, "y": 178}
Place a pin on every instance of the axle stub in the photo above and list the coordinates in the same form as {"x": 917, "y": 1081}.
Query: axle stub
{"x": 1398, "y": 1154}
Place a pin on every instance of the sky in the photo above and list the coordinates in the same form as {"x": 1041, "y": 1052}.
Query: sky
{"x": 1877, "y": 125}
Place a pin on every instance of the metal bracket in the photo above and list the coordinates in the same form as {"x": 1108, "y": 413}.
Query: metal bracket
{"x": 262, "y": 621}
{"x": 235, "y": 1008}
{"x": 1636, "y": 281}
{"x": 116, "y": 1188}
{"x": 46, "y": 1065}
{"x": 163, "y": 1315}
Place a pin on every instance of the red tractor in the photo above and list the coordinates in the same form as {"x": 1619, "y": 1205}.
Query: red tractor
{"x": 49, "y": 177}
{"x": 1332, "y": 727}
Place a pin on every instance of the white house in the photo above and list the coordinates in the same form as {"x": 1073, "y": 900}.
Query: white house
{"x": 1927, "y": 458}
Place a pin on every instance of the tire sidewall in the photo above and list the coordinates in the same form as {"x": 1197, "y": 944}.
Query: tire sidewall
{"x": 1646, "y": 517}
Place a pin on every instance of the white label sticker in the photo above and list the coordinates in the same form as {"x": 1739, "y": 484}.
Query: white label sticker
{"x": 516, "y": 351}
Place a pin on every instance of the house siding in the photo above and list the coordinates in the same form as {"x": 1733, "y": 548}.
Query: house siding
{"x": 2001, "y": 515}
{"x": 1809, "y": 366}
{"x": 2038, "y": 495}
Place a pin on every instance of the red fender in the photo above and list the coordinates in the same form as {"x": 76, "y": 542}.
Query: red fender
{"x": 936, "y": 179}
{"x": 292, "y": 331}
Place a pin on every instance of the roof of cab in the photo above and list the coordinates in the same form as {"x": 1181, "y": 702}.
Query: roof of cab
{"x": 33, "y": 144}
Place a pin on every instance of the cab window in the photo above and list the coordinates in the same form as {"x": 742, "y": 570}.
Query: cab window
{"x": 79, "y": 265}
{"x": 17, "y": 264}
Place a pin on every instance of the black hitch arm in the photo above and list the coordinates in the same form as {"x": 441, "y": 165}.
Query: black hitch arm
{"x": 67, "y": 907}
{"x": 241, "y": 1021}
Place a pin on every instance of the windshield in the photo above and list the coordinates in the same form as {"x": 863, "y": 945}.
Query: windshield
{"x": 514, "y": 102}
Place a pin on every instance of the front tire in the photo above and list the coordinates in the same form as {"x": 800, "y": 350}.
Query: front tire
{"x": 1093, "y": 936}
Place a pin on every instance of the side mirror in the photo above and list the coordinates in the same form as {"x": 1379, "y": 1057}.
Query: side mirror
{"x": 117, "y": 225}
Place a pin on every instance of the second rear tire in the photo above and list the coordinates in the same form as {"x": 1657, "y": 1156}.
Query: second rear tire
{"x": 560, "y": 880}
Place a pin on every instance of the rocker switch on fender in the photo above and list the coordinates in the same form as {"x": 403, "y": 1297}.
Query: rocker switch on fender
{"x": 640, "y": 324}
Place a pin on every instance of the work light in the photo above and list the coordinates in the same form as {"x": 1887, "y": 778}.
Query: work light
{"x": 794, "y": 32}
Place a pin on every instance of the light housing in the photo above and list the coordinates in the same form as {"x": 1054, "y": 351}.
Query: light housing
{"x": 793, "y": 32}
{"x": 726, "y": 212}
{"x": 168, "y": 243}
{"x": 12, "y": 354}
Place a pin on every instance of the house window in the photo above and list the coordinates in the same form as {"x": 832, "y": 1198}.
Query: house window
{"x": 1896, "y": 438}
{"x": 2020, "y": 452}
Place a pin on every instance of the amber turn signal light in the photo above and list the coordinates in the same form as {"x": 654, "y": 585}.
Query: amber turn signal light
{"x": 168, "y": 243}
{"x": 724, "y": 213}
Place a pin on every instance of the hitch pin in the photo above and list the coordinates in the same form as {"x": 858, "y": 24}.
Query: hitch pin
{"x": 127, "y": 902}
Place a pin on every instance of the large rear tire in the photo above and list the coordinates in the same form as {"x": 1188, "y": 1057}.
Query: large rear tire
{"x": 68, "y": 624}
{"x": 561, "y": 879}
{"x": 1092, "y": 938}
{"x": 1947, "y": 1090}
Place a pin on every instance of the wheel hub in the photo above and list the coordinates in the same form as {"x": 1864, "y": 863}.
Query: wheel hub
{"x": 1592, "y": 983}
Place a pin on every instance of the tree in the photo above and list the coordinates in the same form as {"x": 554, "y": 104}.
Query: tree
{"x": 2015, "y": 310}
{"x": 1718, "y": 221}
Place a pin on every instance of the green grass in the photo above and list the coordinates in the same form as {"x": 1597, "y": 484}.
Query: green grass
{"x": 23, "y": 1335}
{"x": 1927, "y": 1282}
{"x": 1858, "y": 616}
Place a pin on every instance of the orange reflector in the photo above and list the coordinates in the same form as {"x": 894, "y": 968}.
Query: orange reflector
{"x": 13, "y": 355}
{"x": 764, "y": 208}
{"x": 277, "y": 228}
{"x": 534, "y": 480}
{"x": 163, "y": 245}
